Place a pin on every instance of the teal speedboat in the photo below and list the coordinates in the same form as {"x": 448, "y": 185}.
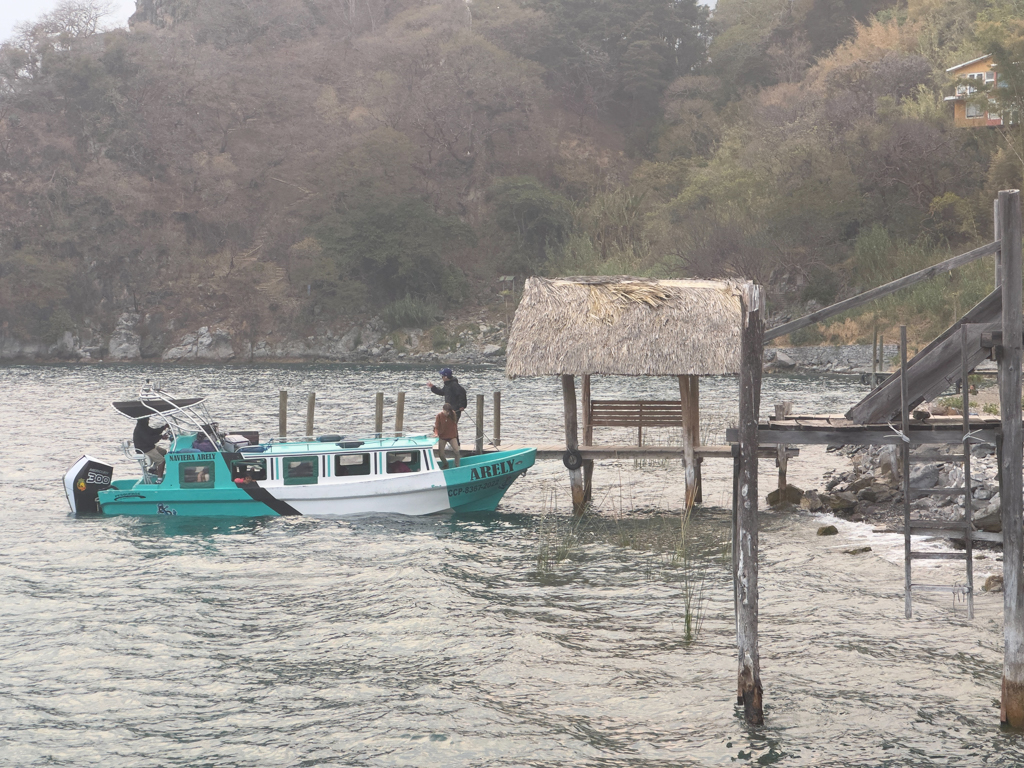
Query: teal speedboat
{"x": 332, "y": 476}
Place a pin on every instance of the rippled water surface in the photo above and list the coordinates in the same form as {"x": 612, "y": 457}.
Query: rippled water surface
{"x": 450, "y": 640}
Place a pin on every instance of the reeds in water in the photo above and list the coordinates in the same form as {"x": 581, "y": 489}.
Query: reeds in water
{"x": 670, "y": 551}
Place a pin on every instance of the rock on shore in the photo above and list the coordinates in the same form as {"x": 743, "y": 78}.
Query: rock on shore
{"x": 872, "y": 491}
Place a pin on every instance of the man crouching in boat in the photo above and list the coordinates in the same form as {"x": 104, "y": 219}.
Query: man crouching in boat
{"x": 145, "y": 439}
{"x": 446, "y": 427}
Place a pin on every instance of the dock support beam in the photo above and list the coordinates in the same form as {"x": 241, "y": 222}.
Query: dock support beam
{"x": 748, "y": 690}
{"x": 572, "y": 442}
{"x": 1011, "y": 710}
{"x": 689, "y": 401}
{"x": 588, "y": 439}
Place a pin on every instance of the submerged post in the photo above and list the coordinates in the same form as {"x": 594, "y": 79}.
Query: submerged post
{"x": 572, "y": 460}
{"x": 378, "y": 417}
{"x": 400, "y": 413}
{"x": 748, "y": 690}
{"x": 310, "y": 408}
{"x": 282, "y": 413}
{"x": 1011, "y": 710}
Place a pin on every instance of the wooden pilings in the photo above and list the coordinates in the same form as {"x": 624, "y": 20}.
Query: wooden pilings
{"x": 282, "y": 413}
{"x": 400, "y": 413}
{"x": 572, "y": 443}
{"x": 378, "y": 414}
{"x": 782, "y": 410}
{"x": 689, "y": 399}
{"x": 310, "y": 409}
{"x": 496, "y": 418}
{"x": 479, "y": 423}
{"x": 748, "y": 689}
{"x": 588, "y": 439}
{"x": 1011, "y": 710}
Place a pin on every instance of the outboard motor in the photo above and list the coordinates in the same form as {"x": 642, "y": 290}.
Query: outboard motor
{"x": 83, "y": 483}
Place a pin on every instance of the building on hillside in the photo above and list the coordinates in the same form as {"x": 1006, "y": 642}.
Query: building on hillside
{"x": 970, "y": 115}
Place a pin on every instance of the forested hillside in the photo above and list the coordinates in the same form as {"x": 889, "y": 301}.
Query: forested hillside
{"x": 290, "y": 166}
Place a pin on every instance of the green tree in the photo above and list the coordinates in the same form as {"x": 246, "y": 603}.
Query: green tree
{"x": 532, "y": 216}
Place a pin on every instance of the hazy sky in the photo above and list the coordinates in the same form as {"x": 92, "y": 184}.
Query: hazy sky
{"x": 12, "y": 13}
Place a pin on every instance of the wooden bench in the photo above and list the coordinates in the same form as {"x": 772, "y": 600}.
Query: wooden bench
{"x": 635, "y": 413}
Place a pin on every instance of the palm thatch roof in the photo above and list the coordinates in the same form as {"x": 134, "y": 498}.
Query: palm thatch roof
{"x": 628, "y": 326}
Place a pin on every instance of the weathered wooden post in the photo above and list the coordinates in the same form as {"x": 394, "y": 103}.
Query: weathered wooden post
{"x": 400, "y": 413}
{"x": 1011, "y": 710}
{"x": 378, "y": 417}
{"x": 497, "y": 418}
{"x": 874, "y": 359}
{"x": 748, "y": 689}
{"x": 282, "y": 413}
{"x": 998, "y": 234}
{"x": 782, "y": 410}
{"x": 588, "y": 439}
{"x": 310, "y": 409}
{"x": 479, "y": 424}
{"x": 908, "y": 608}
{"x": 689, "y": 389}
{"x": 572, "y": 446}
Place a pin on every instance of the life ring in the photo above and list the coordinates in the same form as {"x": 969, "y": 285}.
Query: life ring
{"x": 572, "y": 459}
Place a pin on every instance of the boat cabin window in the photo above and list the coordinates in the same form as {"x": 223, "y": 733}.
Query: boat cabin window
{"x": 300, "y": 470}
{"x": 248, "y": 470}
{"x": 196, "y": 474}
{"x": 402, "y": 461}
{"x": 349, "y": 464}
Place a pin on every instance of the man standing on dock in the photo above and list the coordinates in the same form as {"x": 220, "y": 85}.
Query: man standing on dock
{"x": 451, "y": 390}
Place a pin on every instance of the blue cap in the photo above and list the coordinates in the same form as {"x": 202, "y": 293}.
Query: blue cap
{"x": 445, "y": 371}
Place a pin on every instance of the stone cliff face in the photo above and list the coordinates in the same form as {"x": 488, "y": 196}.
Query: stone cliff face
{"x": 161, "y": 13}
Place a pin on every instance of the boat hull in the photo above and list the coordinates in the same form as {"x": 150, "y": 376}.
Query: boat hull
{"x": 476, "y": 486}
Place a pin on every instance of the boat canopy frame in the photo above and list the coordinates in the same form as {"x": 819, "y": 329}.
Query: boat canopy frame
{"x": 181, "y": 414}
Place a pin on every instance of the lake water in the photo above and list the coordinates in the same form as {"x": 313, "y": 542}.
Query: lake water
{"x": 450, "y": 640}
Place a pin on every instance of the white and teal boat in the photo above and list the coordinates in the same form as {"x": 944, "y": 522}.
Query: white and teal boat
{"x": 331, "y": 476}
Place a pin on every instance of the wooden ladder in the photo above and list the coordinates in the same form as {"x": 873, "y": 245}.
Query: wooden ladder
{"x": 940, "y": 528}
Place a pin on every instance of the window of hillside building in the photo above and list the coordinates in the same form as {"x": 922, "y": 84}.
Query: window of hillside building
{"x": 350, "y": 464}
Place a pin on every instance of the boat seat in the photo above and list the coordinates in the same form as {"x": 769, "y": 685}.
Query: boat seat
{"x": 134, "y": 454}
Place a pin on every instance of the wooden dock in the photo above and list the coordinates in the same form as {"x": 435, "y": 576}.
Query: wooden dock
{"x": 592, "y": 452}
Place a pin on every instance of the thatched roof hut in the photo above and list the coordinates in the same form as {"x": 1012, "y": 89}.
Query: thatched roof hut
{"x": 629, "y": 326}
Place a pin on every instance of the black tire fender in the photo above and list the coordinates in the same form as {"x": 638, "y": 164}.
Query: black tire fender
{"x": 572, "y": 459}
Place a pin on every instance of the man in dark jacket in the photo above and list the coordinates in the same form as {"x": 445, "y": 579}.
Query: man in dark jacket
{"x": 145, "y": 439}
{"x": 452, "y": 392}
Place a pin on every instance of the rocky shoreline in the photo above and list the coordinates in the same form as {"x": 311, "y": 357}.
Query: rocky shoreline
{"x": 871, "y": 491}
{"x": 472, "y": 341}
{"x": 141, "y": 337}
